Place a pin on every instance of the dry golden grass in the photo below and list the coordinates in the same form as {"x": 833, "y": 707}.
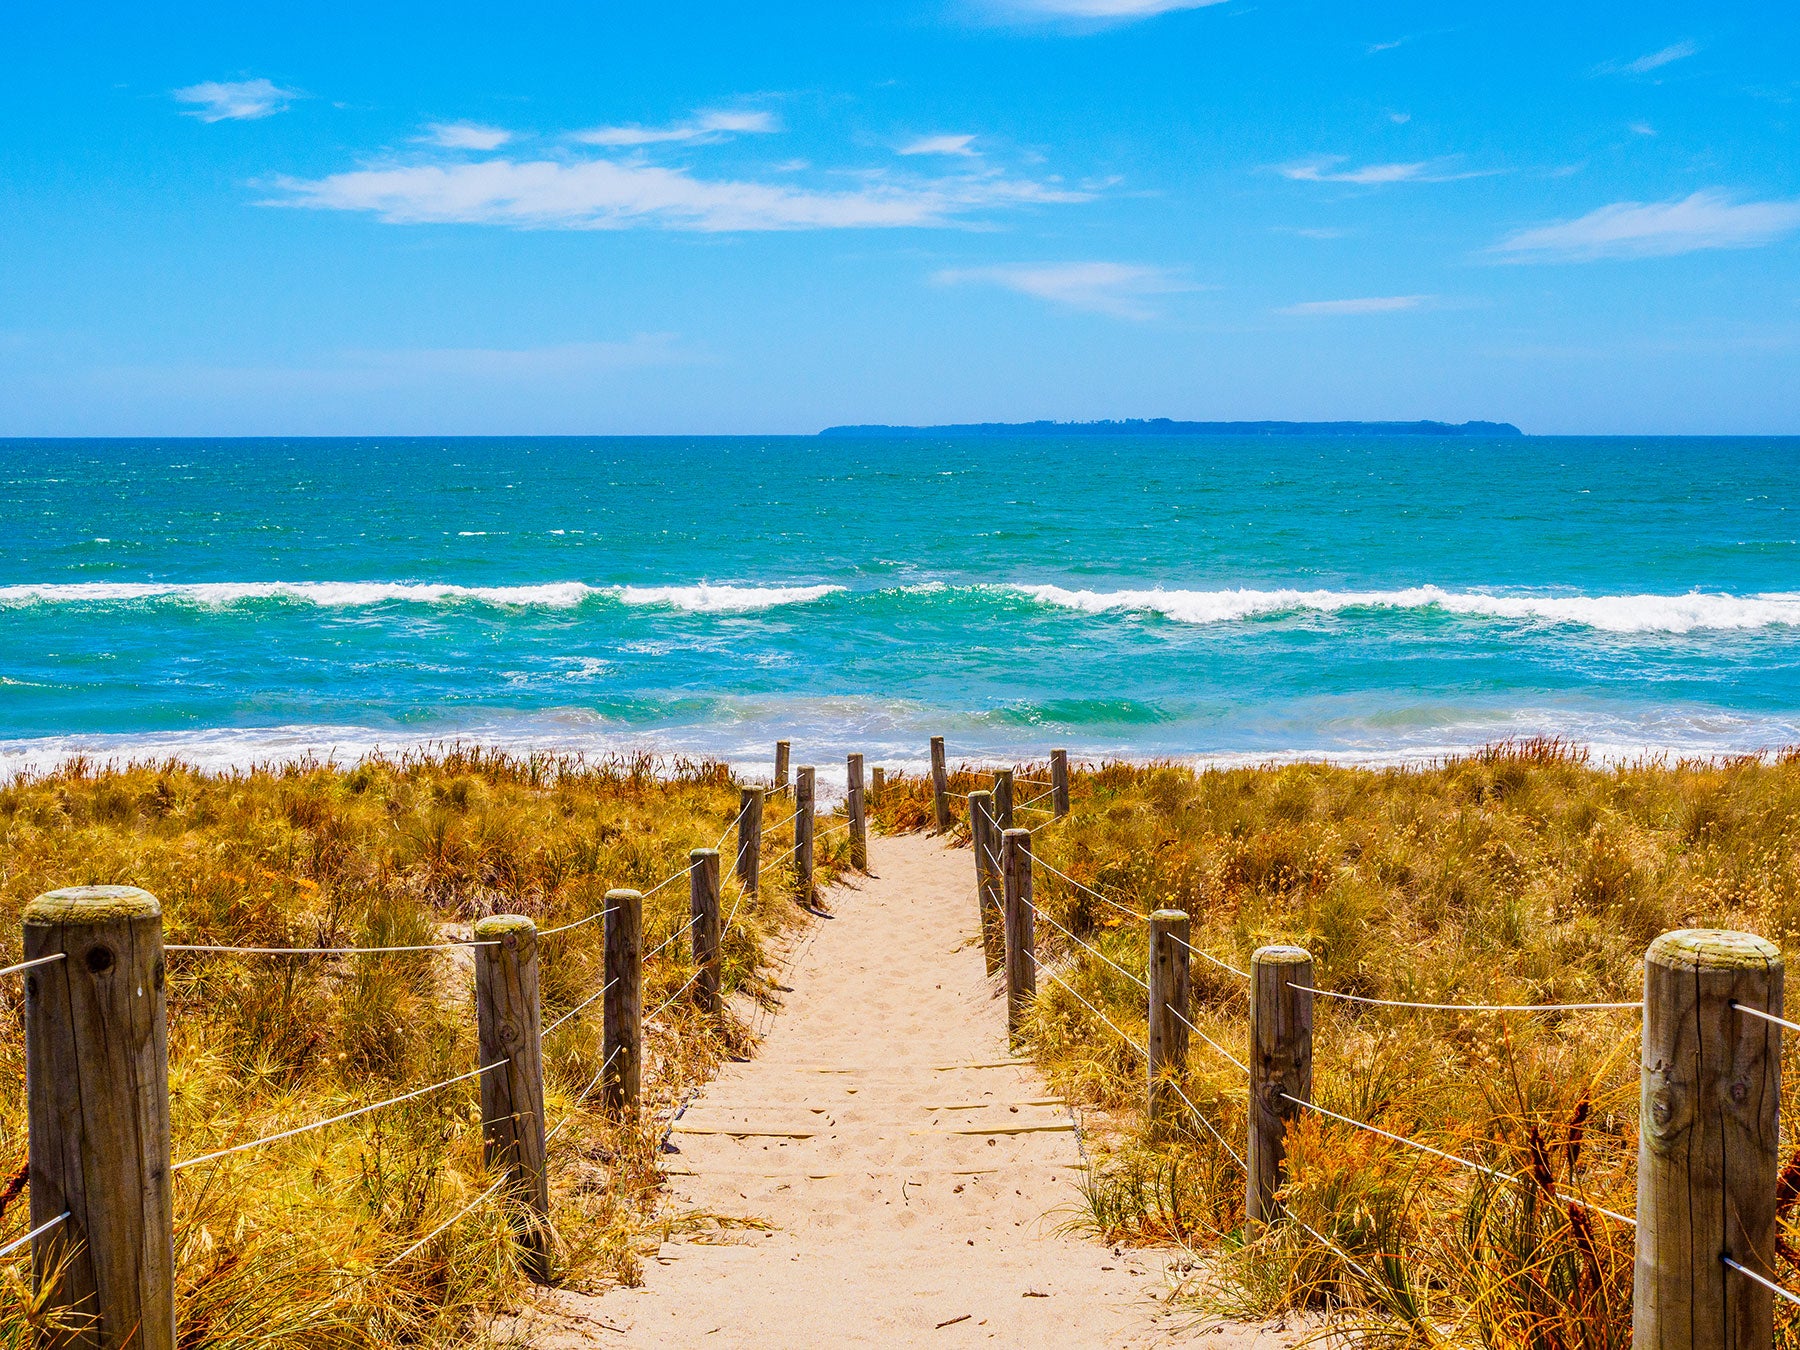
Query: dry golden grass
{"x": 1519, "y": 875}
{"x": 326, "y": 1239}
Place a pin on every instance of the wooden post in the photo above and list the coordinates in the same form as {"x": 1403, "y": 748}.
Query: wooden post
{"x": 940, "y": 785}
{"x": 877, "y": 784}
{"x": 622, "y": 1044}
{"x": 854, "y": 809}
{"x": 1021, "y": 929}
{"x": 781, "y": 764}
{"x": 749, "y": 838}
{"x": 1708, "y": 1134}
{"x": 1059, "y": 782}
{"x": 804, "y": 783}
{"x": 985, "y": 835}
{"x": 1003, "y": 798}
{"x": 97, "y": 1100}
{"x": 703, "y": 908}
{"x": 1169, "y": 1015}
{"x": 1281, "y": 1026}
{"x": 509, "y": 1028}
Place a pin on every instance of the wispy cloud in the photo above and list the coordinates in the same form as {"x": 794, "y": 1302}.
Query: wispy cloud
{"x": 940, "y": 145}
{"x": 1643, "y": 65}
{"x": 234, "y": 100}
{"x": 1705, "y": 220}
{"x": 465, "y": 136}
{"x": 605, "y": 194}
{"x": 1640, "y": 129}
{"x": 1121, "y": 290}
{"x": 1376, "y": 48}
{"x": 703, "y": 128}
{"x": 1367, "y": 304}
{"x": 1333, "y": 169}
{"x": 1100, "y": 11}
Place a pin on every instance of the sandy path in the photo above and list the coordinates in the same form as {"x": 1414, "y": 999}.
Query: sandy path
{"x": 913, "y": 1173}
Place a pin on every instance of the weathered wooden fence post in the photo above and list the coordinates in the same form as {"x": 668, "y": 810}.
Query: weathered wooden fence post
{"x": 1059, "y": 782}
{"x": 805, "y": 781}
{"x": 781, "y": 764}
{"x": 749, "y": 838}
{"x": 97, "y": 1099}
{"x": 703, "y": 914}
{"x": 1281, "y": 1027}
{"x": 877, "y": 784}
{"x": 1003, "y": 798}
{"x": 1169, "y": 1015}
{"x": 940, "y": 785}
{"x": 509, "y": 1028}
{"x": 623, "y": 1041}
{"x": 1021, "y": 929}
{"x": 854, "y": 809}
{"x": 984, "y": 833}
{"x": 1708, "y": 1139}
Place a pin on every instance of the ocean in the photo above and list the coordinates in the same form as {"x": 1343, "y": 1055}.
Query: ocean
{"x": 1233, "y": 599}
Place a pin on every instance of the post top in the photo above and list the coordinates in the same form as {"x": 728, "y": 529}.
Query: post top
{"x": 694, "y": 853}
{"x": 1713, "y": 949}
{"x": 1015, "y": 832}
{"x": 625, "y": 894}
{"x": 1281, "y": 955}
{"x": 1168, "y": 915}
{"x": 91, "y": 904}
{"x": 499, "y": 925}
{"x": 982, "y": 792}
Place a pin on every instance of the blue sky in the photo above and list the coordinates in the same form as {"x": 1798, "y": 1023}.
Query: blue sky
{"x": 687, "y": 217}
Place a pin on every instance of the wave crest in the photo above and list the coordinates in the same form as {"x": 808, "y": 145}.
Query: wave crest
{"x": 1695, "y": 611}
{"x": 703, "y": 598}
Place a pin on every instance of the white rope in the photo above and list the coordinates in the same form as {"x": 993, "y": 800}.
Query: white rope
{"x": 1123, "y": 909}
{"x": 675, "y": 876}
{"x": 578, "y": 1007}
{"x": 601, "y": 914}
{"x": 488, "y": 1194}
{"x": 1768, "y": 1284}
{"x": 583, "y": 1095}
{"x": 735, "y": 822}
{"x": 1094, "y": 950}
{"x": 1461, "y": 1161}
{"x": 1209, "y": 1125}
{"x": 1469, "y": 1007}
{"x": 41, "y": 1229}
{"x": 27, "y": 965}
{"x": 348, "y": 1115}
{"x": 1208, "y": 1039}
{"x": 692, "y": 920}
{"x": 1754, "y": 1012}
{"x": 672, "y": 998}
{"x": 1208, "y": 956}
{"x": 325, "y": 951}
{"x": 1052, "y": 975}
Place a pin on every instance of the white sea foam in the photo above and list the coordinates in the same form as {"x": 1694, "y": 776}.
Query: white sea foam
{"x": 702, "y": 598}
{"x": 1696, "y": 611}
{"x": 705, "y": 599}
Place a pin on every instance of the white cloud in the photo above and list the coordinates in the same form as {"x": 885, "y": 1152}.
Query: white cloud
{"x": 939, "y": 145}
{"x": 702, "y": 129}
{"x": 229, "y": 101}
{"x": 1104, "y": 11}
{"x": 1399, "y": 119}
{"x": 1325, "y": 169}
{"x": 1118, "y": 289}
{"x": 1368, "y": 304}
{"x": 1640, "y": 129}
{"x": 1677, "y": 51}
{"x": 465, "y": 136}
{"x": 600, "y": 194}
{"x": 1705, "y": 220}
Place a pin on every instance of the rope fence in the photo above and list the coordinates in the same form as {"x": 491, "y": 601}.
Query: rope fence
{"x": 85, "y": 1109}
{"x": 1709, "y": 1159}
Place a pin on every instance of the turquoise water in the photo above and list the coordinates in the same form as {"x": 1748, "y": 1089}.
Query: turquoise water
{"x": 1223, "y": 597}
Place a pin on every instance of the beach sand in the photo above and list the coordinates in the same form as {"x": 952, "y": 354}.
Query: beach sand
{"x": 908, "y": 1180}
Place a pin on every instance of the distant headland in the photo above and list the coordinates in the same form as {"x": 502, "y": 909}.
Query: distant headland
{"x": 1163, "y": 426}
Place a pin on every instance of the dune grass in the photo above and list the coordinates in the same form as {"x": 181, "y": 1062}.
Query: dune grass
{"x": 1523, "y": 874}
{"x": 350, "y": 1236}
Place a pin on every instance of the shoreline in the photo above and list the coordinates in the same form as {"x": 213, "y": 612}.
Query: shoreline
{"x": 228, "y": 750}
